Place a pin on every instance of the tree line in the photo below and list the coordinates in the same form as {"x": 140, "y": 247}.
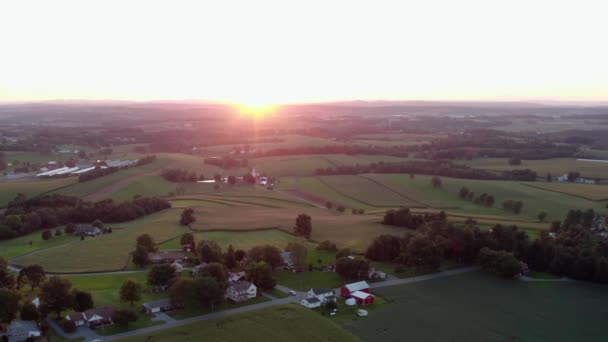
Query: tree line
{"x": 24, "y": 216}
{"x": 571, "y": 249}
{"x": 430, "y": 167}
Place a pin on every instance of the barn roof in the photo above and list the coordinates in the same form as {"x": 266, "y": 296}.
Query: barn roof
{"x": 361, "y": 294}
{"x": 358, "y": 286}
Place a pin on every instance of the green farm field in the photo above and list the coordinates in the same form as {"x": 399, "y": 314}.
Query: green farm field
{"x": 535, "y": 199}
{"x": 556, "y": 167}
{"x": 594, "y": 192}
{"x": 282, "y": 323}
{"x": 108, "y": 252}
{"x": 346, "y": 230}
{"x": 30, "y": 188}
{"x": 31, "y": 243}
{"x": 502, "y": 310}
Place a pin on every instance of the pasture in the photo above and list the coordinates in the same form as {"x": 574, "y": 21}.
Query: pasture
{"x": 283, "y": 323}
{"x": 535, "y": 199}
{"x": 30, "y": 243}
{"x": 502, "y": 310}
{"x": 108, "y": 252}
{"x": 593, "y": 192}
{"x": 30, "y": 188}
{"x": 556, "y": 167}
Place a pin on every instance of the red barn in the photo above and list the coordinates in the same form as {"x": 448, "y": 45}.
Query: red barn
{"x": 363, "y": 298}
{"x": 348, "y": 289}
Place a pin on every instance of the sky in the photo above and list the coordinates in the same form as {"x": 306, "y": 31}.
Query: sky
{"x": 265, "y": 52}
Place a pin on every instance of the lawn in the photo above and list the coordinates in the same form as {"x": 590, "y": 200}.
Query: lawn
{"x": 105, "y": 287}
{"x": 143, "y": 321}
{"x": 304, "y": 281}
{"x": 108, "y": 252}
{"x": 282, "y": 323}
{"x": 226, "y": 305}
{"x": 481, "y": 307}
{"x": 30, "y": 243}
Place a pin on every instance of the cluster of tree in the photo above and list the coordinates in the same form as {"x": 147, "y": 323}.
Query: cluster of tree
{"x": 525, "y": 175}
{"x": 573, "y": 251}
{"x": 404, "y": 218}
{"x": 146, "y": 160}
{"x": 187, "y": 217}
{"x": 56, "y": 295}
{"x": 144, "y": 245}
{"x": 303, "y": 226}
{"x": 2, "y": 162}
{"x": 352, "y": 268}
{"x": 340, "y": 208}
{"x": 227, "y": 162}
{"x": 586, "y": 218}
{"x": 180, "y": 176}
{"x": 24, "y": 216}
{"x": 491, "y": 143}
{"x": 98, "y": 172}
{"x": 503, "y": 263}
{"x": 484, "y": 199}
{"x": 198, "y": 292}
{"x": 436, "y": 240}
{"x": 512, "y": 205}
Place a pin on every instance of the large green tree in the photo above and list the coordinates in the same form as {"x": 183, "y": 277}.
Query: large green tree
{"x": 216, "y": 271}
{"x": 303, "y": 226}
{"x": 267, "y": 253}
{"x": 161, "y": 275}
{"x": 83, "y": 300}
{"x": 140, "y": 256}
{"x": 209, "y": 251}
{"x": 130, "y": 291}
{"x": 208, "y": 292}
{"x": 260, "y": 274}
{"x": 34, "y": 275}
{"x": 147, "y": 242}
{"x": 9, "y": 305}
{"x": 55, "y": 294}
{"x": 298, "y": 252}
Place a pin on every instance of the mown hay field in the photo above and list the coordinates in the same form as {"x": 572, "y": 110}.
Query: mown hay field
{"x": 282, "y": 323}
{"x": 482, "y": 307}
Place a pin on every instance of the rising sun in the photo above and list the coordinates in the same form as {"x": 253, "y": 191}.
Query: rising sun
{"x": 256, "y": 109}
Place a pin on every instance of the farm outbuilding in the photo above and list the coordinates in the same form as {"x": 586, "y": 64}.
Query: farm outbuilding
{"x": 348, "y": 289}
{"x": 363, "y": 298}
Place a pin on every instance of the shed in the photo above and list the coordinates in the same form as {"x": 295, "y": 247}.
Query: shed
{"x": 347, "y": 290}
{"x": 363, "y": 298}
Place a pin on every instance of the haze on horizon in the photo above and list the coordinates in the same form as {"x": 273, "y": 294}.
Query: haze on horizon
{"x": 264, "y": 52}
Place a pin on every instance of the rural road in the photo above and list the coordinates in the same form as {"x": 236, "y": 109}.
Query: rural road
{"x": 275, "y": 302}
